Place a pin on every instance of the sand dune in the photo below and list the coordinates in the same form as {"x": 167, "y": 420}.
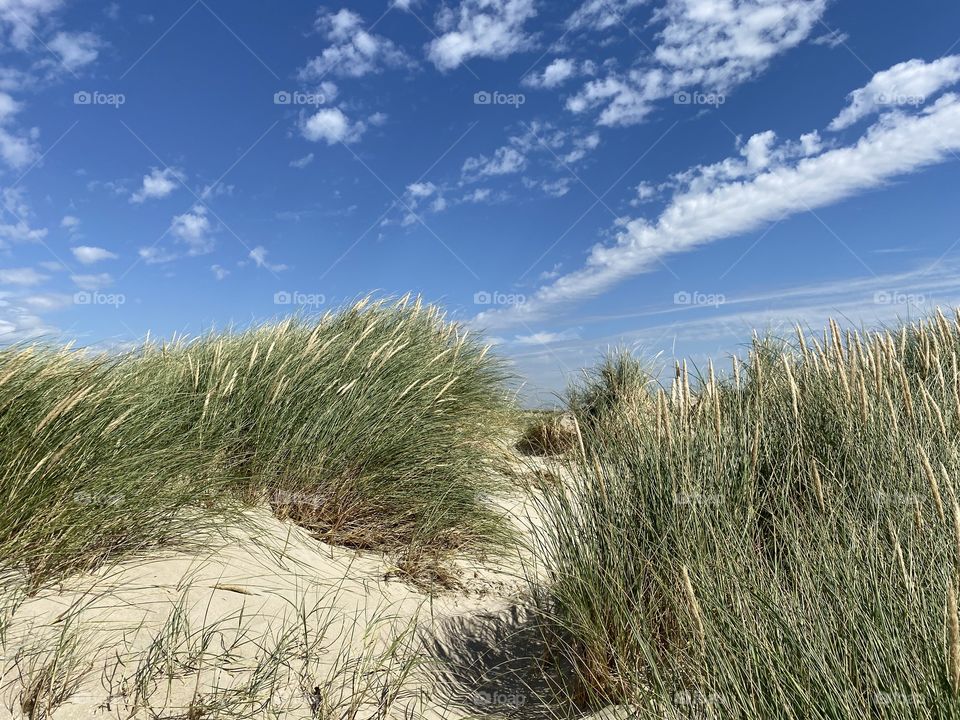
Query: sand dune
{"x": 331, "y": 618}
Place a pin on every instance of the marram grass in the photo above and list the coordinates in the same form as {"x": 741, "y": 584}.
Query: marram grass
{"x": 781, "y": 543}
{"x": 373, "y": 427}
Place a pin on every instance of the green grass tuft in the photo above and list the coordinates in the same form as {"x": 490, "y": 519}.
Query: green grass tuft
{"x": 374, "y": 427}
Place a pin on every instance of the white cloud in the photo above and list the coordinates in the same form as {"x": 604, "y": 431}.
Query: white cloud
{"x": 582, "y": 146}
{"x": 477, "y": 196}
{"x": 13, "y": 202}
{"x": 481, "y": 28}
{"x": 710, "y": 44}
{"x": 546, "y": 338}
{"x": 219, "y": 272}
{"x": 416, "y": 194}
{"x": 18, "y": 321}
{"x": 557, "y": 188}
{"x": 193, "y": 228}
{"x": 726, "y": 205}
{"x": 155, "y": 255}
{"x": 75, "y": 49}
{"x": 157, "y": 184}
{"x": 354, "y": 51}
{"x": 552, "y": 273}
{"x": 645, "y": 193}
{"x": 625, "y": 100}
{"x": 302, "y": 162}
{"x": 553, "y": 75}
{"x": 8, "y": 106}
{"x": 69, "y": 222}
{"x": 13, "y": 79}
{"x": 87, "y": 254}
{"x": 259, "y": 257}
{"x": 421, "y": 189}
{"x": 721, "y": 44}
{"x": 218, "y": 189}
{"x": 46, "y": 302}
{"x": 92, "y": 283}
{"x": 505, "y": 160}
{"x": 601, "y": 14}
{"x": 17, "y": 150}
{"x": 332, "y": 126}
{"x": 21, "y": 276}
{"x": 832, "y": 39}
{"x": 21, "y": 232}
{"x": 905, "y": 84}
{"x": 22, "y": 18}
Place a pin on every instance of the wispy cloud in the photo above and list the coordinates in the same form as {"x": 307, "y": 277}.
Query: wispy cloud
{"x": 711, "y": 46}
{"x": 302, "y": 162}
{"x": 731, "y": 198}
{"x": 910, "y": 83}
{"x": 259, "y": 257}
{"x": 21, "y": 276}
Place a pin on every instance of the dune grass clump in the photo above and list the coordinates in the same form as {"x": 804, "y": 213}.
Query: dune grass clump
{"x": 547, "y": 433}
{"x": 616, "y": 391}
{"x": 373, "y": 427}
{"x": 782, "y": 543}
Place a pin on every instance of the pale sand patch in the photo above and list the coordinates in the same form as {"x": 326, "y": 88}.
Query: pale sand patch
{"x": 271, "y": 615}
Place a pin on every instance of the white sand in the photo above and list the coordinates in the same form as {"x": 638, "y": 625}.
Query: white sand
{"x": 333, "y": 612}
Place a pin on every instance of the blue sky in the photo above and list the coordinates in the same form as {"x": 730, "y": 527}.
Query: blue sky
{"x": 565, "y": 176}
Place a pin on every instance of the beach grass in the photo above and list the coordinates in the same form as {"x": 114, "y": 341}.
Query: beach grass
{"x": 374, "y": 427}
{"x": 782, "y": 542}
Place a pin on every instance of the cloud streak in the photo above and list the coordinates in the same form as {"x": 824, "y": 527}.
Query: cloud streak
{"x": 732, "y": 204}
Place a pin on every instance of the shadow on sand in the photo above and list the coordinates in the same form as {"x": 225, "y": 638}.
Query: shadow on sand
{"x": 496, "y": 665}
